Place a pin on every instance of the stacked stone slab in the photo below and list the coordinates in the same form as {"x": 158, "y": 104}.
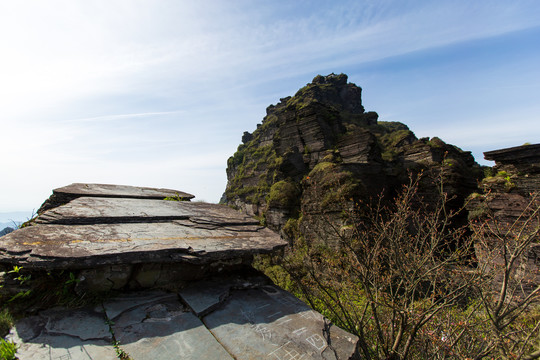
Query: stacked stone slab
{"x": 210, "y": 303}
{"x": 509, "y": 198}
{"x": 119, "y": 236}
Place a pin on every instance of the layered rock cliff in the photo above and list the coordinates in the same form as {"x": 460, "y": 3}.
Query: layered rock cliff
{"x": 320, "y": 151}
{"x": 505, "y": 215}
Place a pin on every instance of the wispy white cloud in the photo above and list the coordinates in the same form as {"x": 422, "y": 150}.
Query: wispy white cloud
{"x": 120, "y": 117}
{"x": 114, "y": 91}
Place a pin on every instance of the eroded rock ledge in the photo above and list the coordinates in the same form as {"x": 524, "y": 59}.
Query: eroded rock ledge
{"x": 115, "y": 229}
{"x": 182, "y": 269}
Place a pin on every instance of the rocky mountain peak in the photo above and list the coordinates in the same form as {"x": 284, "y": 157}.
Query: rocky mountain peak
{"x": 323, "y": 131}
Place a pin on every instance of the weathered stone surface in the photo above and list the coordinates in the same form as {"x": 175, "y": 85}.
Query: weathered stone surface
{"x": 120, "y": 191}
{"x": 80, "y": 334}
{"x": 180, "y": 336}
{"x": 86, "y": 324}
{"x": 86, "y": 246}
{"x": 94, "y": 210}
{"x": 253, "y": 319}
{"x": 90, "y": 232}
{"x": 64, "y": 347}
{"x": 270, "y": 323}
{"x": 524, "y": 154}
{"x": 116, "y": 306}
{"x": 522, "y": 167}
{"x": 104, "y": 278}
{"x": 65, "y": 194}
{"x": 232, "y": 317}
{"x": 170, "y": 276}
{"x": 358, "y": 147}
{"x": 205, "y": 296}
{"x": 162, "y": 329}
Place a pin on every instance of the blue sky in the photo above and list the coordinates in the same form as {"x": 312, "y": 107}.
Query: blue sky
{"x": 158, "y": 93}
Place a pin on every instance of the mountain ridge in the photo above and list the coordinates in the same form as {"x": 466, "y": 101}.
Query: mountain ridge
{"x": 323, "y": 134}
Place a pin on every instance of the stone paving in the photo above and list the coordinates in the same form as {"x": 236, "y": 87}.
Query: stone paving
{"x": 223, "y": 318}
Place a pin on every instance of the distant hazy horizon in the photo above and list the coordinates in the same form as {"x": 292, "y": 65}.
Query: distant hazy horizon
{"x": 7, "y": 218}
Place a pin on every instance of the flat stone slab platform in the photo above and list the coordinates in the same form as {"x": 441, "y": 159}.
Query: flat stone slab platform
{"x": 95, "y": 231}
{"x": 65, "y": 194}
{"x": 95, "y": 210}
{"x": 221, "y": 318}
{"x": 120, "y": 191}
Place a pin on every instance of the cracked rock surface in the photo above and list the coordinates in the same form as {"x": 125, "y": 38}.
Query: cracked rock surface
{"x": 63, "y": 334}
{"x": 221, "y": 318}
{"x": 108, "y": 229}
{"x": 124, "y": 238}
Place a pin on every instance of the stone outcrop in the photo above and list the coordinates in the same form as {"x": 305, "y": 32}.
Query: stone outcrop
{"x": 521, "y": 163}
{"x": 320, "y": 150}
{"x": 181, "y": 274}
{"x": 124, "y": 236}
{"x": 506, "y": 212}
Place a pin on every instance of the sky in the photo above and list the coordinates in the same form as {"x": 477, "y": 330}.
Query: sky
{"x": 158, "y": 93}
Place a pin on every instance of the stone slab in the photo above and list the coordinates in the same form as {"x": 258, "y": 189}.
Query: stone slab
{"x": 125, "y": 302}
{"x": 269, "y": 323}
{"x": 248, "y": 318}
{"x": 95, "y": 210}
{"x": 119, "y": 191}
{"x": 207, "y": 295}
{"x": 85, "y": 324}
{"x": 182, "y": 336}
{"x": 86, "y": 246}
{"x": 80, "y": 334}
{"x": 514, "y": 154}
{"x": 163, "y": 329}
{"x": 61, "y": 347}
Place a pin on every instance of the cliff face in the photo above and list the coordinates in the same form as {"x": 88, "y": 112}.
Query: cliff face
{"x": 506, "y": 214}
{"x": 319, "y": 151}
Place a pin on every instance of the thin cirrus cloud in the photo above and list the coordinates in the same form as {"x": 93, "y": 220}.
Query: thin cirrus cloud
{"x": 158, "y": 93}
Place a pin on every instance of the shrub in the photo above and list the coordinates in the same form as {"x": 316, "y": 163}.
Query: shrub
{"x": 283, "y": 194}
{"x": 402, "y": 278}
